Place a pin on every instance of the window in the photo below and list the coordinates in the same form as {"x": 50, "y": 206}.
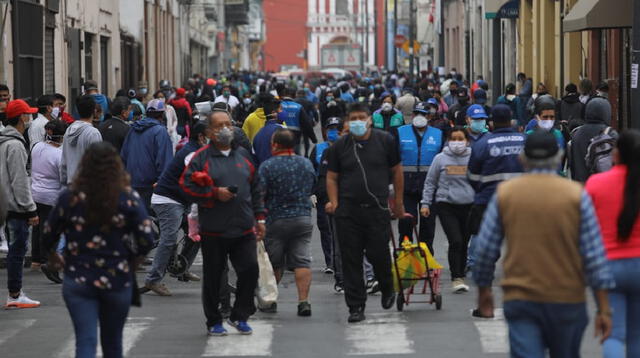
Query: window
{"x": 104, "y": 64}
{"x": 49, "y": 61}
{"x": 342, "y": 7}
{"x": 88, "y": 56}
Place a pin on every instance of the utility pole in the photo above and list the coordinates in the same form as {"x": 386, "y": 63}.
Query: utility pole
{"x": 395, "y": 32}
{"x": 634, "y": 116}
{"x": 412, "y": 38}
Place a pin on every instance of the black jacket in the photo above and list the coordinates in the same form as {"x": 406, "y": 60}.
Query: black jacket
{"x": 114, "y": 130}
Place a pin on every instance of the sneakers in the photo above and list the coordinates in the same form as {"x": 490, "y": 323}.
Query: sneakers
{"x": 338, "y": 287}
{"x": 159, "y": 288}
{"x": 387, "y": 300}
{"x": 356, "y": 315}
{"x": 372, "y": 286}
{"x": 304, "y": 309}
{"x": 217, "y": 330}
{"x": 187, "y": 276}
{"x": 242, "y": 326}
{"x": 22, "y": 301}
{"x": 458, "y": 286}
{"x": 52, "y": 275}
{"x": 328, "y": 270}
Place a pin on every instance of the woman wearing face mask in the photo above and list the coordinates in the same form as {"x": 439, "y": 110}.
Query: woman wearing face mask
{"x": 387, "y": 117}
{"x": 454, "y": 195}
{"x": 330, "y": 107}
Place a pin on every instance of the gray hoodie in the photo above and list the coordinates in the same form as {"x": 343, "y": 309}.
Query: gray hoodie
{"x": 14, "y": 180}
{"x": 78, "y": 137}
{"x": 448, "y": 178}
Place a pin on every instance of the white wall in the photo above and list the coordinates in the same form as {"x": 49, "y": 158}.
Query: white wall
{"x": 132, "y": 18}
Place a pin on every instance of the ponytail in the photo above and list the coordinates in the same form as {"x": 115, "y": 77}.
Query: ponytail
{"x": 629, "y": 149}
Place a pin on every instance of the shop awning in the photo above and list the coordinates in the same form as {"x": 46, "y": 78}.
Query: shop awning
{"x": 599, "y": 14}
{"x": 502, "y": 9}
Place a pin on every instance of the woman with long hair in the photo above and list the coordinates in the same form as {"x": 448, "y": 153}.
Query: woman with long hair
{"x": 107, "y": 233}
{"x": 616, "y": 198}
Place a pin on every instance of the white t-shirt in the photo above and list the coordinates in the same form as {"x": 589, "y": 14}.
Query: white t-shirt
{"x": 232, "y": 101}
{"x": 45, "y": 173}
{"x": 36, "y": 130}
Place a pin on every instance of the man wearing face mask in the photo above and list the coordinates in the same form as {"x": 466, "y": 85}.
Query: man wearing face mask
{"x": 418, "y": 144}
{"x": 361, "y": 167}
{"x": 222, "y": 180}
{"x": 546, "y": 118}
{"x": 295, "y": 117}
{"x": 267, "y": 105}
{"x": 14, "y": 182}
{"x": 115, "y": 129}
{"x": 262, "y": 140}
{"x": 387, "y": 117}
{"x": 476, "y": 123}
{"x": 458, "y": 111}
{"x": 59, "y": 105}
{"x": 36, "y": 130}
{"x": 227, "y": 97}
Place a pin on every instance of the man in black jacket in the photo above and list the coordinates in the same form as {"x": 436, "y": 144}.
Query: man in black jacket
{"x": 570, "y": 109}
{"x": 115, "y": 129}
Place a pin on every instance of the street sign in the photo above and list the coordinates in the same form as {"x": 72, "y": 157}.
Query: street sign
{"x": 399, "y": 40}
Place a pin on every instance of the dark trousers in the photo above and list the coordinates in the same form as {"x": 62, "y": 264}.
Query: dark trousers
{"x": 37, "y": 255}
{"x": 242, "y": 253}
{"x": 325, "y": 233}
{"x": 453, "y": 218}
{"x": 145, "y": 196}
{"x": 363, "y": 231}
{"x": 18, "y": 237}
{"x": 426, "y": 226}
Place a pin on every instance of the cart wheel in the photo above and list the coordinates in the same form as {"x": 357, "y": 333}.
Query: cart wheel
{"x": 400, "y": 301}
{"x": 438, "y": 300}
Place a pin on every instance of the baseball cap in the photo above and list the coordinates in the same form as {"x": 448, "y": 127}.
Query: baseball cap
{"x": 476, "y": 111}
{"x": 433, "y": 102}
{"x": 540, "y": 145}
{"x": 333, "y": 121}
{"x": 501, "y": 113}
{"x": 18, "y": 107}
{"x": 90, "y": 85}
{"x": 421, "y": 107}
{"x": 480, "y": 96}
{"x": 156, "y": 105}
{"x": 180, "y": 92}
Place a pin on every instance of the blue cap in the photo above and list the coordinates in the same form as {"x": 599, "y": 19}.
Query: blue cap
{"x": 421, "y": 107}
{"x": 480, "y": 96}
{"x": 156, "y": 105}
{"x": 434, "y": 102}
{"x": 476, "y": 111}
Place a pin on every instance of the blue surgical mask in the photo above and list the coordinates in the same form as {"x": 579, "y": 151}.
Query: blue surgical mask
{"x": 358, "y": 128}
{"x": 332, "y": 135}
{"x": 329, "y": 98}
{"x": 478, "y": 125}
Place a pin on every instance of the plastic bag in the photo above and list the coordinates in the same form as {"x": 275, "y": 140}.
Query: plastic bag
{"x": 412, "y": 262}
{"x": 267, "y": 290}
{"x": 194, "y": 226}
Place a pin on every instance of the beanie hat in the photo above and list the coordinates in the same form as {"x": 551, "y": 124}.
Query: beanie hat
{"x": 501, "y": 113}
{"x": 540, "y": 145}
{"x": 598, "y": 110}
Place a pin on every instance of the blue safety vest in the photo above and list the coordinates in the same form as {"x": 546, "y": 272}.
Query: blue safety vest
{"x": 418, "y": 158}
{"x": 290, "y": 114}
{"x": 320, "y": 148}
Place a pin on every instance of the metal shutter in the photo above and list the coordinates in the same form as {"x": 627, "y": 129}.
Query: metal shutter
{"x": 49, "y": 61}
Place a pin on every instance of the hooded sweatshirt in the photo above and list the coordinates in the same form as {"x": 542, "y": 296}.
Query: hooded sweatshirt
{"x": 147, "y": 152}
{"x": 448, "y": 178}
{"x": 597, "y": 118}
{"x": 14, "y": 180}
{"x": 78, "y": 137}
{"x": 570, "y": 108}
{"x": 103, "y": 101}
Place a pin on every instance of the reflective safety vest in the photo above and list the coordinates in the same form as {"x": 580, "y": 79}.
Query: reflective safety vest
{"x": 320, "y": 148}
{"x": 417, "y": 157}
{"x": 395, "y": 121}
{"x": 291, "y": 114}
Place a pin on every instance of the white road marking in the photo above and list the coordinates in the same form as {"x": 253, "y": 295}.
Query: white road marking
{"x": 494, "y": 333}
{"x": 133, "y": 330}
{"x": 13, "y": 328}
{"x": 235, "y": 344}
{"x": 380, "y": 333}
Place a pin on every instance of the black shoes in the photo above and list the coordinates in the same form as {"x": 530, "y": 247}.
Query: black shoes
{"x": 356, "y": 315}
{"x": 388, "y": 299}
{"x": 304, "y": 309}
{"x": 52, "y": 275}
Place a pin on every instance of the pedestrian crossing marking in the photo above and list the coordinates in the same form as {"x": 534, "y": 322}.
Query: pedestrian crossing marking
{"x": 235, "y": 344}
{"x": 133, "y": 330}
{"x": 14, "y": 328}
{"x": 380, "y": 333}
{"x": 493, "y": 333}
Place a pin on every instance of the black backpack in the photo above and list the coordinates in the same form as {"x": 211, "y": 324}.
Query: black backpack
{"x": 599, "y": 156}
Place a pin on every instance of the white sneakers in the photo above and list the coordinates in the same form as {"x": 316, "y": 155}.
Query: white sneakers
{"x": 458, "y": 286}
{"x": 21, "y": 301}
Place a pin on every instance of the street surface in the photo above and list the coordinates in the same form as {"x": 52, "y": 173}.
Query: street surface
{"x": 174, "y": 326}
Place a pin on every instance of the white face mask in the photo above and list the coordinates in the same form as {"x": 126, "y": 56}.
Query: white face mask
{"x": 386, "y": 107}
{"x": 457, "y": 147}
{"x": 27, "y": 124}
{"x": 55, "y": 112}
{"x": 419, "y": 121}
{"x": 546, "y": 124}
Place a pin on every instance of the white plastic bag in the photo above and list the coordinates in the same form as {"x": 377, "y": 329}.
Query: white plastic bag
{"x": 267, "y": 290}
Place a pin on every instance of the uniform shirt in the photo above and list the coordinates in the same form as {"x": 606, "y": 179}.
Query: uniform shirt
{"x": 378, "y": 155}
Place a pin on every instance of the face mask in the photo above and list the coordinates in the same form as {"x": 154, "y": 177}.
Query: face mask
{"x": 430, "y": 88}
{"x": 546, "y": 124}
{"x": 358, "y": 128}
{"x": 511, "y": 97}
{"x": 332, "y": 135}
{"x": 143, "y": 91}
{"x": 419, "y": 121}
{"x": 55, "y": 112}
{"x": 247, "y": 101}
{"x": 458, "y": 147}
{"x": 28, "y": 123}
{"x": 433, "y": 111}
{"x": 224, "y": 136}
{"x": 386, "y": 107}
{"x": 329, "y": 98}
{"x": 478, "y": 126}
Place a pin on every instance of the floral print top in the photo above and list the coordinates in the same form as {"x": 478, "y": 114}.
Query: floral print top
{"x": 99, "y": 256}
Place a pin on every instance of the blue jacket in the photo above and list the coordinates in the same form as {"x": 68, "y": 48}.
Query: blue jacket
{"x": 291, "y": 114}
{"x": 417, "y": 156}
{"x": 494, "y": 158}
{"x": 169, "y": 182}
{"x": 103, "y": 101}
{"x": 320, "y": 148}
{"x": 146, "y": 152}
{"x": 262, "y": 141}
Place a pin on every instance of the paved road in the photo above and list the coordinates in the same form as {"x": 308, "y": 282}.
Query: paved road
{"x": 174, "y": 326}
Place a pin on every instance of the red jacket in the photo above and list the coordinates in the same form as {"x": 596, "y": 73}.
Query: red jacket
{"x": 607, "y": 190}
{"x": 181, "y": 102}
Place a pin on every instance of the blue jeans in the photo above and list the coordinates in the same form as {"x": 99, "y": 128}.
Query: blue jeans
{"x": 18, "y": 231}
{"x": 169, "y": 219}
{"x": 87, "y": 305}
{"x": 625, "y": 304}
{"x": 535, "y": 328}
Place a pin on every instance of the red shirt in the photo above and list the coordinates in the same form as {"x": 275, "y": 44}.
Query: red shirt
{"x": 607, "y": 190}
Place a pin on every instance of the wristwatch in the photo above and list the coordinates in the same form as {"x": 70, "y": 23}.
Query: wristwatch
{"x": 262, "y": 221}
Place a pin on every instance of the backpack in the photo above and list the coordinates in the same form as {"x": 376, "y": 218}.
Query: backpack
{"x": 599, "y": 156}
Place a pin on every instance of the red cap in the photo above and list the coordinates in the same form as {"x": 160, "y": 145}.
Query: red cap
{"x": 211, "y": 82}
{"x": 180, "y": 92}
{"x": 18, "y": 107}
